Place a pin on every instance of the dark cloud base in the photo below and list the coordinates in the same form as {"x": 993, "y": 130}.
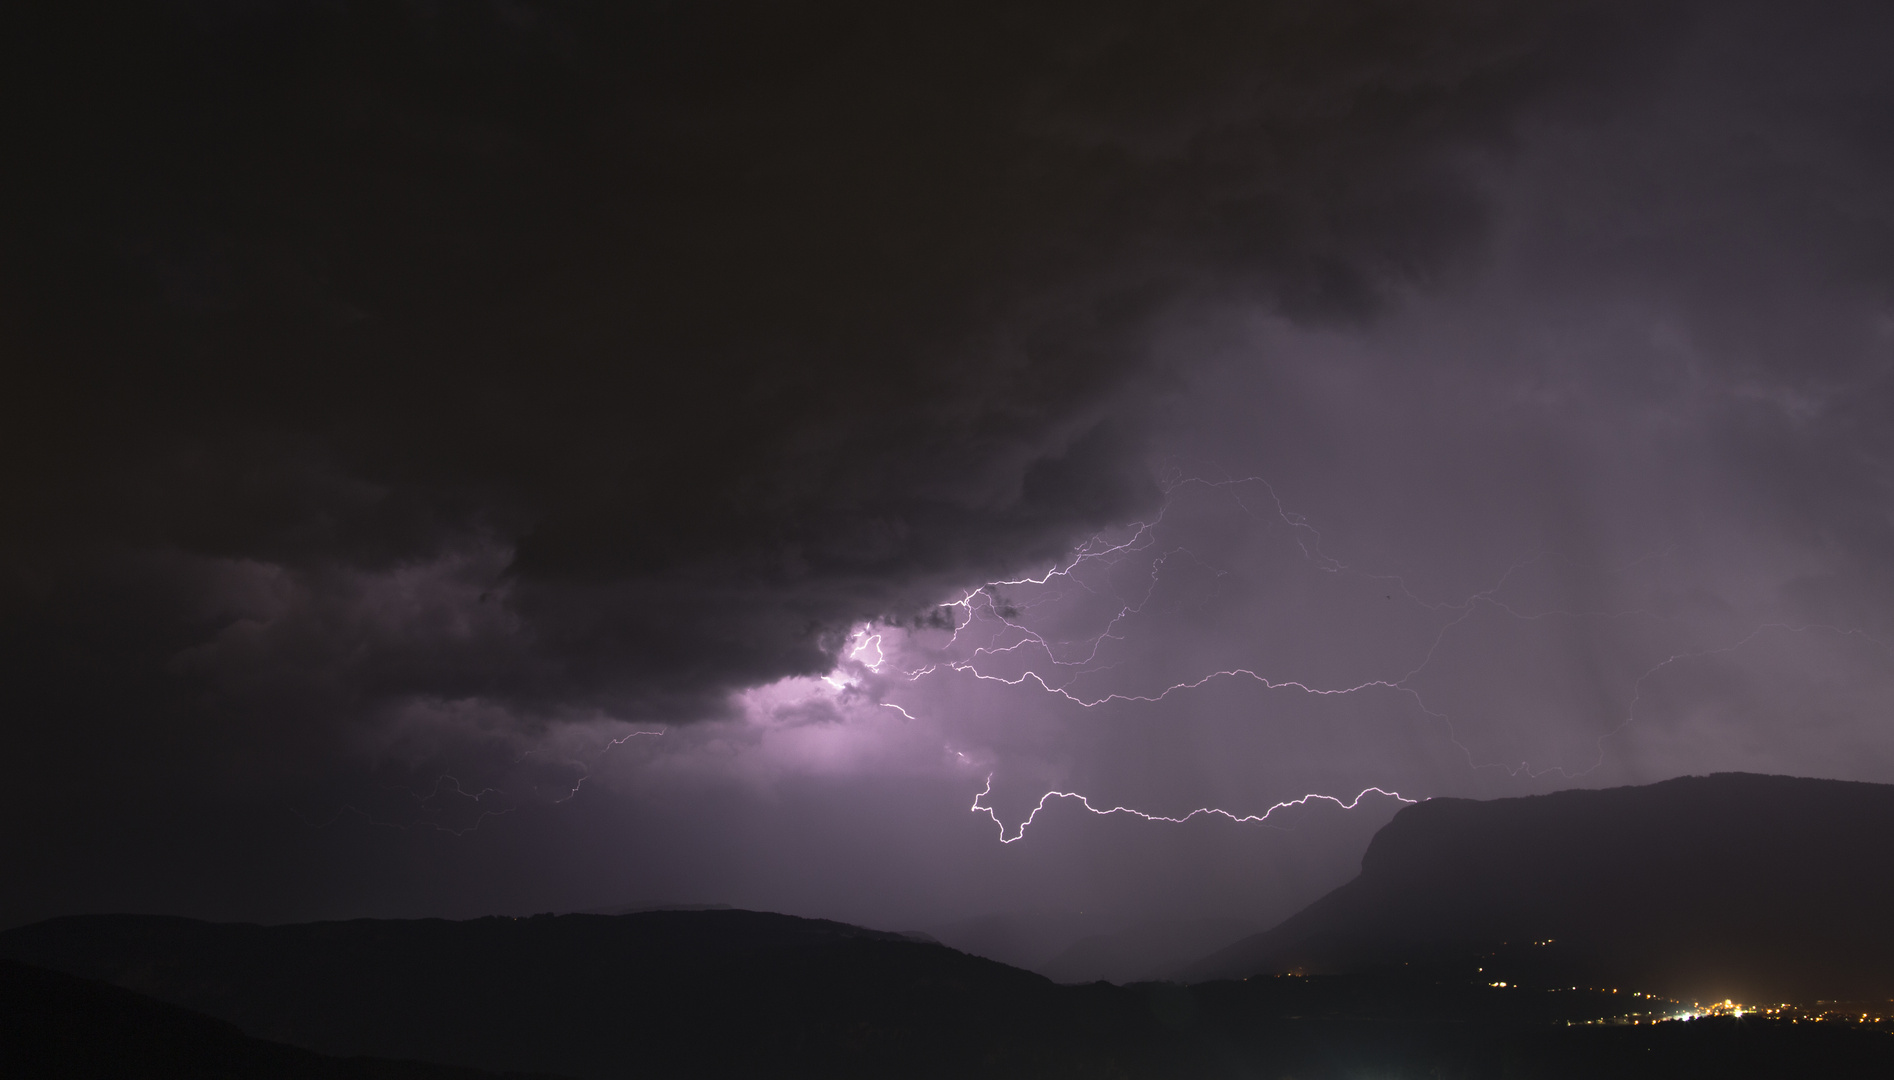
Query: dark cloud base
{"x": 727, "y": 327}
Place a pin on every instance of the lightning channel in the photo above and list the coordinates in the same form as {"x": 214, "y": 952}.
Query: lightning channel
{"x": 1203, "y": 811}
{"x": 1056, "y": 666}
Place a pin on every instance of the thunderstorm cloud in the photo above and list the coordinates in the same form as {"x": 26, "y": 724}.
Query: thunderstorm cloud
{"x": 398, "y": 393}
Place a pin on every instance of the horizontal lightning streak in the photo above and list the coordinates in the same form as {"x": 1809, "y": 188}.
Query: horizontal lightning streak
{"x": 1287, "y": 684}
{"x": 1072, "y": 660}
{"x": 444, "y": 779}
{"x": 1205, "y": 811}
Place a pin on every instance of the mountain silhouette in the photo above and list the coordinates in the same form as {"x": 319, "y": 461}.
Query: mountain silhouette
{"x": 1026, "y": 938}
{"x": 661, "y": 993}
{"x": 1757, "y": 888}
{"x": 1143, "y": 952}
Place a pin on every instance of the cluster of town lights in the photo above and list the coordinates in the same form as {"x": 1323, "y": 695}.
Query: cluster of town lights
{"x": 1830, "y": 1011}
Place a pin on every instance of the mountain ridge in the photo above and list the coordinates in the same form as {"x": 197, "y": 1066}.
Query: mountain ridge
{"x": 656, "y": 993}
{"x": 1734, "y": 884}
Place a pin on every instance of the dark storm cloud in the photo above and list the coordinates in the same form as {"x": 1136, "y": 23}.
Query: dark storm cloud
{"x": 395, "y": 392}
{"x": 576, "y": 356}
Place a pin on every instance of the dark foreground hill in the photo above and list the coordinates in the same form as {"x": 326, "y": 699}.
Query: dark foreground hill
{"x": 664, "y": 993}
{"x": 57, "y": 1027}
{"x": 1758, "y": 888}
{"x": 743, "y": 994}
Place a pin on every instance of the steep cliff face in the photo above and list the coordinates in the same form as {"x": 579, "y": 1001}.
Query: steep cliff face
{"x": 1764, "y": 887}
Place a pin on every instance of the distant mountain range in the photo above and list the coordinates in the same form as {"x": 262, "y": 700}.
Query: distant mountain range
{"x": 1758, "y": 888}
{"x": 1077, "y": 947}
{"x": 1432, "y": 963}
{"x": 1153, "y": 950}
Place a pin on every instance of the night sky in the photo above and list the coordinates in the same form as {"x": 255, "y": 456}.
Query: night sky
{"x": 467, "y": 458}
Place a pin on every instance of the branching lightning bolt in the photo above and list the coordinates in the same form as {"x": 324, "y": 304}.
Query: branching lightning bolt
{"x": 620, "y": 741}
{"x": 1071, "y": 660}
